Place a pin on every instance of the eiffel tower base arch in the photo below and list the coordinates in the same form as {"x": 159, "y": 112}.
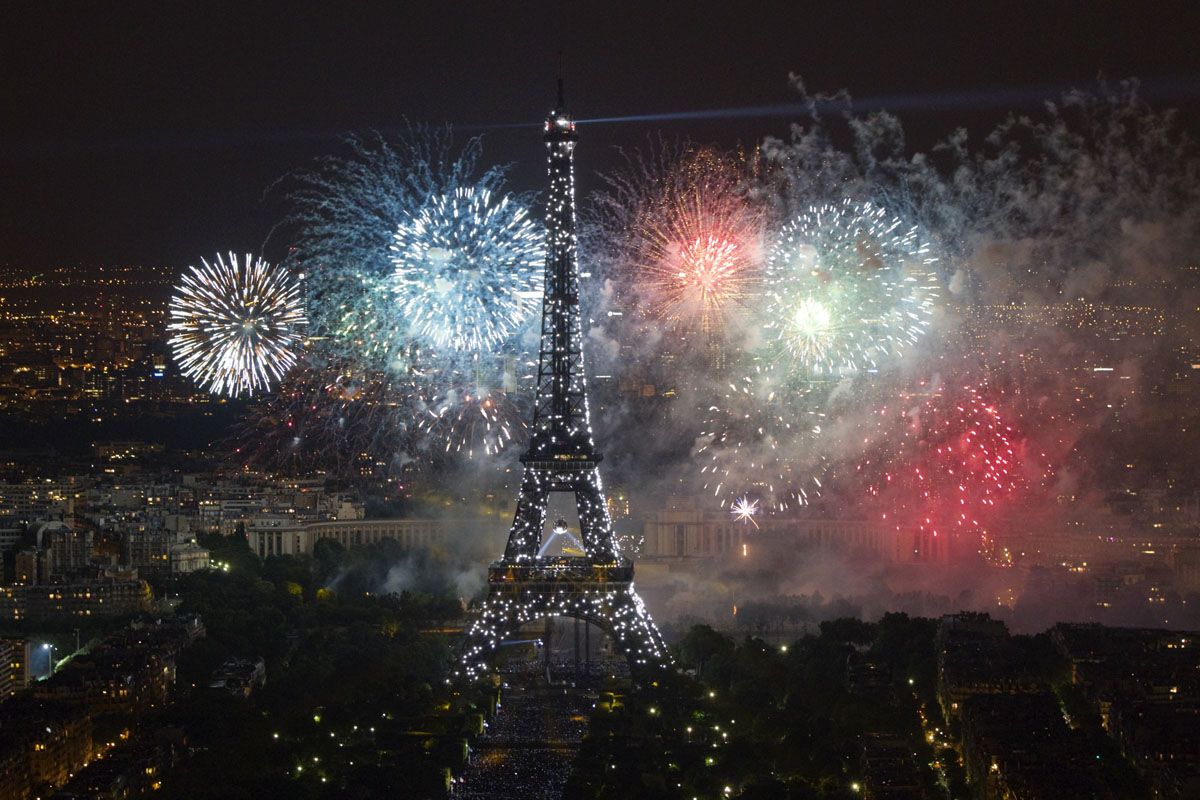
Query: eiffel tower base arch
{"x": 611, "y": 605}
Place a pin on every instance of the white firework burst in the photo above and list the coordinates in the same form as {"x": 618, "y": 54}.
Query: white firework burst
{"x": 236, "y": 326}
{"x": 745, "y": 510}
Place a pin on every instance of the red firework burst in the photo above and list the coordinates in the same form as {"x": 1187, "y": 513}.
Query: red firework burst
{"x": 939, "y": 465}
{"x": 688, "y": 235}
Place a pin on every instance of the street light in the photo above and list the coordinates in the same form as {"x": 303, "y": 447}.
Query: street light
{"x": 49, "y": 648}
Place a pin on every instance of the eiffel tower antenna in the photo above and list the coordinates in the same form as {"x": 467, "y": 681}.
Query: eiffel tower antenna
{"x": 561, "y": 103}
{"x": 525, "y": 585}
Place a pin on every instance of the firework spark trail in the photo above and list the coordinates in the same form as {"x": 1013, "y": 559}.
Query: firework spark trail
{"x": 847, "y": 286}
{"x": 325, "y": 416}
{"x": 468, "y": 270}
{"x": 329, "y": 414}
{"x": 758, "y": 444}
{"x": 481, "y": 409}
{"x": 484, "y": 420}
{"x": 366, "y": 327}
{"x": 236, "y": 326}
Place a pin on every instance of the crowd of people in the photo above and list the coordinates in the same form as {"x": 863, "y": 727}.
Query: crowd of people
{"x": 530, "y": 745}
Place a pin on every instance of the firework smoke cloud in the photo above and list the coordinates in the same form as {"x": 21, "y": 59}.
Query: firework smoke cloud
{"x": 755, "y": 313}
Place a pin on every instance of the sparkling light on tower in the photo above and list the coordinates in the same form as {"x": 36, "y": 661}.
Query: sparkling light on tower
{"x": 236, "y": 326}
{"x": 847, "y": 287}
{"x": 526, "y": 584}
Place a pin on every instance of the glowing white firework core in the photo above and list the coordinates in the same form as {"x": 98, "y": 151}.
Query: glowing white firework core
{"x": 849, "y": 286}
{"x": 745, "y": 510}
{"x": 468, "y": 270}
{"x": 236, "y": 326}
{"x": 812, "y": 319}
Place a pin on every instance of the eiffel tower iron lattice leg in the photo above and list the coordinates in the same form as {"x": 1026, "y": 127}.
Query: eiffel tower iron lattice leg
{"x": 530, "y": 521}
{"x": 525, "y": 585}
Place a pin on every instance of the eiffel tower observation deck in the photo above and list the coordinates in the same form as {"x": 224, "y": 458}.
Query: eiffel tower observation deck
{"x": 525, "y": 585}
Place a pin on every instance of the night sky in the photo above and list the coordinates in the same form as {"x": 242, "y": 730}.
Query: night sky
{"x": 146, "y": 133}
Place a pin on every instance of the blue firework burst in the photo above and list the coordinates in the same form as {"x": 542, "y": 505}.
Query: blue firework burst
{"x": 468, "y": 270}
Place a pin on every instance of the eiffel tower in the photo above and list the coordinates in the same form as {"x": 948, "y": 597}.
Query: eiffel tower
{"x": 525, "y": 585}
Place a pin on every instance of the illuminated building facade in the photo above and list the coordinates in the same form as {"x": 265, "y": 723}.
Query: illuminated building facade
{"x": 685, "y": 530}
{"x": 15, "y": 654}
{"x": 100, "y": 597}
{"x": 293, "y": 540}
